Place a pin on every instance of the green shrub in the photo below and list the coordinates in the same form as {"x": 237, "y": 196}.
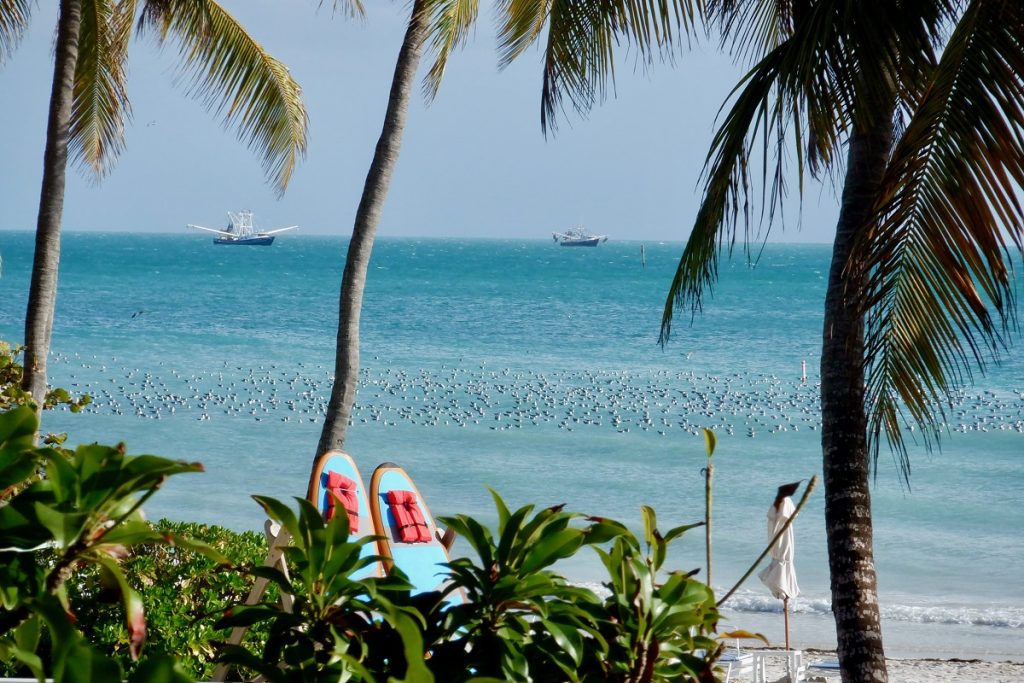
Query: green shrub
{"x": 520, "y": 621}
{"x": 184, "y": 593}
{"x": 77, "y": 562}
{"x": 61, "y": 511}
{"x": 12, "y": 395}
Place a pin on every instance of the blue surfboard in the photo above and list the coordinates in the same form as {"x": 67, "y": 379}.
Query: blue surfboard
{"x": 318, "y": 494}
{"x": 420, "y": 559}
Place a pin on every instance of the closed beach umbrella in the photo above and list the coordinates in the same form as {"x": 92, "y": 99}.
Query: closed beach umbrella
{"x": 780, "y": 575}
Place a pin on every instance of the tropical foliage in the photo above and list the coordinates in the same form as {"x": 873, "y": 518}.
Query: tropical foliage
{"x": 578, "y": 61}
{"x": 61, "y": 511}
{"x": 926, "y": 98}
{"x": 504, "y": 614}
{"x": 184, "y": 593}
{"x": 73, "y": 543}
{"x": 89, "y": 107}
{"x": 918, "y": 107}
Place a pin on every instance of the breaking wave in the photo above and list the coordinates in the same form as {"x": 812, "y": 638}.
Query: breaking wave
{"x": 989, "y": 615}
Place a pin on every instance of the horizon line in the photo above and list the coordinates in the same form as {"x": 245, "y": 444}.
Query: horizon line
{"x": 657, "y": 240}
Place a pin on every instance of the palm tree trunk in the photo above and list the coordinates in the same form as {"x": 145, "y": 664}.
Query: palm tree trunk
{"x": 844, "y": 425}
{"x": 42, "y": 293}
{"x": 353, "y": 281}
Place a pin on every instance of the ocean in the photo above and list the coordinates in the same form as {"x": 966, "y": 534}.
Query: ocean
{"x": 534, "y": 370}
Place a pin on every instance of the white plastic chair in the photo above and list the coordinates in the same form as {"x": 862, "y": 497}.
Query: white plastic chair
{"x": 739, "y": 663}
{"x": 796, "y": 667}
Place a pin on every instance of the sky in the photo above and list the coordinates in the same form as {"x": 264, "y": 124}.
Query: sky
{"x": 474, "y": 162}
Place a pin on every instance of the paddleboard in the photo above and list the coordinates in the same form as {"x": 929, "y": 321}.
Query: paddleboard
{"x": 407, "y": 540}
{"x": 340, "y": 469}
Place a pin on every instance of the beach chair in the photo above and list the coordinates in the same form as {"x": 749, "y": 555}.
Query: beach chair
{"x": 408, "y": 536}
{"x": 277, "y": 539}
{"x": 827, "y": 668}
{"x": 794, "y": 666}
{"x": 738, "y": 663}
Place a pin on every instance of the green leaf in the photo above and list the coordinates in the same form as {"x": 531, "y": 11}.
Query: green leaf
{"x": 16, "y": 467}
{"x": 234, "y": 75}
{"x": 196, "y": 546}
{"x": 64, "y": 527}
{"x": 131, "y": 532}
{"x": 135, "y": 616}
{"x": 675, "y": 532}
{"x": 18, "y": 427}
{"x": 709, "y": 442}
{"x": 281, "y": 513}
{"x": 742, "y": 635}
{"x": 604, "y": 530}
{"x": 567, "y": 637}
{"x": 160, "y": 669}
{"x": 26, "y": 642}
{"x": 80, "y": 662}
{"x": 412, "y": 644}
{"x": 551, "y": 548}
{"x": 247, "y": 615}
{"x": 650, "y": 523}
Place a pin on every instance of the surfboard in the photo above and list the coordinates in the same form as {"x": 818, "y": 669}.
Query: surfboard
{"x": 339, "y": 469}
{"x": 406, "y": 539}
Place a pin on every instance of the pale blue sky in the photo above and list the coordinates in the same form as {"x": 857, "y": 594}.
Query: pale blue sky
{"x": 474, "y": 162}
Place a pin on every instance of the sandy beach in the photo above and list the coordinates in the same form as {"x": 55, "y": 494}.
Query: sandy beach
{"x": 914, "y": 670}
{"x": 956, "y": 670}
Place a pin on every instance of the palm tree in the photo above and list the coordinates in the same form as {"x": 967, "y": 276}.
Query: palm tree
{"x": 89, "y": 105}
{"x": 927, "y": 98}
{"x": 445, "y": 23}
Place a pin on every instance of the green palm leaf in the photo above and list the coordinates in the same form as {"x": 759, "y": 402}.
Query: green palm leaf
{"x": 100, "y": 101}
{"x": 951, "y": 209}
{"x": 234, "y": 75}
{"x": 806, "y": 93}
{"x": 14, "y": 18}
{"x": 579, "y": 56}
{"x": 785, "y": 93}
{"x": 449, "y": 22}
{"x": 521, "y": 25}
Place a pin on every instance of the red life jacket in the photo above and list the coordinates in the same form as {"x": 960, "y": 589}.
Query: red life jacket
{"x": 412, "y": 527}
{"x": 341, "y": 488}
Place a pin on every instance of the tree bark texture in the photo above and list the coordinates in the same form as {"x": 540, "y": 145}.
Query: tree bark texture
{"x": 844, "y": 440}
{"x": 353, "y": 281}
{"x": 42, "y": 295}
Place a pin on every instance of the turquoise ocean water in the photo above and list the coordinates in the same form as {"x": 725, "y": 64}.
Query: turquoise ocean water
{"x": 534, "y": 370}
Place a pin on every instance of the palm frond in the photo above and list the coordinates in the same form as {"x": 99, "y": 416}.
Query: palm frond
{"x": 100, "y": 100}
{"x": 232, "y": 74}
{"x": 521, "y": 24}
{"x": 449, "y": 22}
{"x": 14, "y": 18}
{"x": 752, "y": 29}
{"x": 800, "y": 88}
{"x": 579, "y": 55}
{"x": 351, "y": 8}
{"x": 940, "y": 285}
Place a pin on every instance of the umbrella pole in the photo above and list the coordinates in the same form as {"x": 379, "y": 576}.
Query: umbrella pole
{"x": 785, "y": 614}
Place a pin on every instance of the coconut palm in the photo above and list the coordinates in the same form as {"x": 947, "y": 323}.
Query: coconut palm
{"x": 927, "y": 99}
{"x": 89, "y": 106}
{"x": 443, "y": 25}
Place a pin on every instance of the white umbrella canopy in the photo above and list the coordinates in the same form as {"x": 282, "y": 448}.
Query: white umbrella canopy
{"x": 780, "y": 575}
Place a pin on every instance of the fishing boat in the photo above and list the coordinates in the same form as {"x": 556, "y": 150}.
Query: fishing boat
{"x": 242, "y": 230}
{"x": 578, "y": 237}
